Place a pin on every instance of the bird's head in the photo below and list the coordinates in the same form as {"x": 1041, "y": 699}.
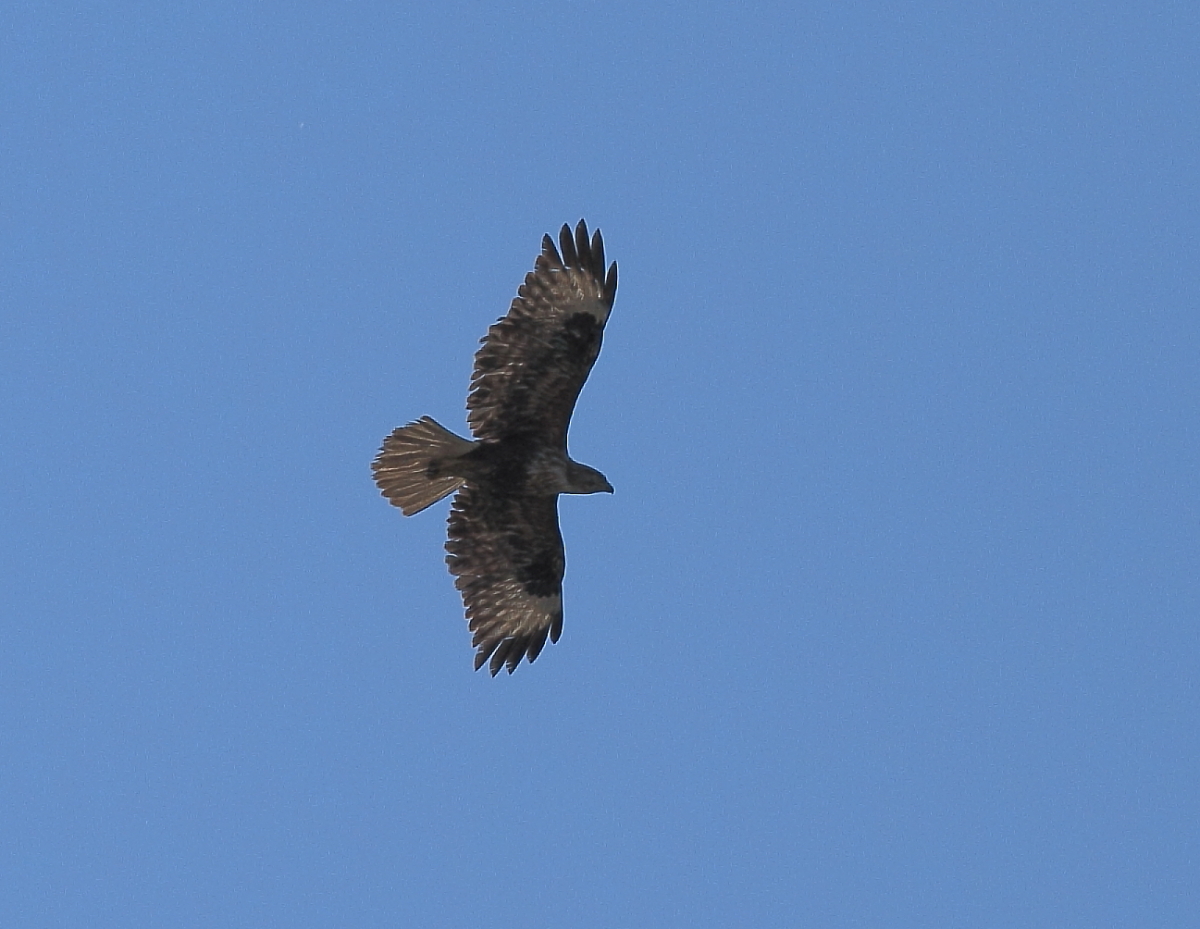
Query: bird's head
{"x": 585, "y": 480}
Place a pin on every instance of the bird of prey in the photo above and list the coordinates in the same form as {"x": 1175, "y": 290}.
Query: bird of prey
{"x": 505, "y": 548}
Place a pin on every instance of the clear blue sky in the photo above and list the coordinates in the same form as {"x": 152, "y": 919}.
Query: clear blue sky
{"x": 894, "y": 618}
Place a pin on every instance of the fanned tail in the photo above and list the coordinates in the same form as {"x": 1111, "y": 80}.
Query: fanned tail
{"x": 410, "y": 468}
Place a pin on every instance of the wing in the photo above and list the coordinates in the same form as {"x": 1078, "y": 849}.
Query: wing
{"x": 534, "y": 361}
{"x": 507, "y": 557}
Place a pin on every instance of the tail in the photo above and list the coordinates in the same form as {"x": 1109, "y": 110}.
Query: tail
{"x": 408, "y": 467}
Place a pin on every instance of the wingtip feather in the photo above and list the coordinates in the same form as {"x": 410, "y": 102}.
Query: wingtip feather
{"x": 597, "y": 253}
{"x": 582, "y": 248}
{"x": 567, "y": 245}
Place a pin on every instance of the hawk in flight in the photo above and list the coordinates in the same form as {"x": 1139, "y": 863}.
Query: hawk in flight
{"x": 505, "y": 548}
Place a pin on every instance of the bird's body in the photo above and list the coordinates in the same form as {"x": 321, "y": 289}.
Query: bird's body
{"x": 504, "y": 545}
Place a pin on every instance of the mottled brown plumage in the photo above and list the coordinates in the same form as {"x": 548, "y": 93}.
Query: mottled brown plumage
{"x": 504, "y": 546}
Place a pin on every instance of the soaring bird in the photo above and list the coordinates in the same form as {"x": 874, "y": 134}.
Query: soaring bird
{"x": 504, "y": 545}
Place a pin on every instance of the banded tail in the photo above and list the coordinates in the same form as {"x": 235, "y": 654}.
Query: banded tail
{"x": 408, "y": 469}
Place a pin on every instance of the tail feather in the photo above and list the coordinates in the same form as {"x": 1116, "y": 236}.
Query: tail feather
{"x": 407, "y": 467}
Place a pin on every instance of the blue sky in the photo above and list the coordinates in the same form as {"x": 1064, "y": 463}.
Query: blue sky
{"x": 892, "y": 620}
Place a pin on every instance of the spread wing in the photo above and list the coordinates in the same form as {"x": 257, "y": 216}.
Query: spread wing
{"x": 507, "y": 557}
{"x": 534, "y": 361}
